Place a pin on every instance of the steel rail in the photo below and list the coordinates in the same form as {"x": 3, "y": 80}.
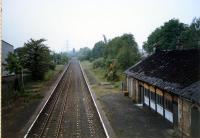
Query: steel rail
{"x": 52, "y": 109}
{"x": 53, "y": 90}
{"x": 87, "y": 84}
{"x": 63, "y": 108}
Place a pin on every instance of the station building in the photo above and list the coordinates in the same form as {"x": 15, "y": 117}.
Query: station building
{"x": 6, "y": 49}
{"x": 168, "y": 82}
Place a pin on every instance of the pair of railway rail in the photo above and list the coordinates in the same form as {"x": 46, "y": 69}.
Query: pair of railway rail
{"x": 70, "y": 110}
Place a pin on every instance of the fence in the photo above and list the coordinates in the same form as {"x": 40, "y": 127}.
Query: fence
{"x": 9, "y": 86}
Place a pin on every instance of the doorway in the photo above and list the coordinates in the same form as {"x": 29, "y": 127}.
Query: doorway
{"x": 195, "y": 122}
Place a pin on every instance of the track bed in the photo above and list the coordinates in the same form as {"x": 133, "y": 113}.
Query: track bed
{"x": 70, "y": 112}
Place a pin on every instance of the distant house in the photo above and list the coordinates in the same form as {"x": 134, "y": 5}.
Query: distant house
{"x": 168, "y": 82}
{"x": 6, "y": 49}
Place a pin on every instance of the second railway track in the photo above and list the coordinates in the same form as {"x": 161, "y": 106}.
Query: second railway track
{"x": 70, "y": 111}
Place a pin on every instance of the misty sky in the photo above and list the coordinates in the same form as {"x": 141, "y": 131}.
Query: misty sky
{"x": 81, "y": 23}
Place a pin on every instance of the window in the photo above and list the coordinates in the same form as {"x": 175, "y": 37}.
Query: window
{"x": 146, "y": 92}
{"x": 159, "y": 99}
{"x": 168, "y": 104}
{"x": 153, "y": 97}
{"x": 141, "y": 88}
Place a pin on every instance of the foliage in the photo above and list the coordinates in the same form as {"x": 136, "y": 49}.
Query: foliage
{"x": 119, "y": 53}
{"x": 36, "y": 53}
{"x": 191, "y": 37}
{"x": 124, "y": 49}
{"x": 37, "y": 58}
{"x": 52, "y": 66}
{"x": 13, "y": 64}
{"x": 98, "y": 49}
{"x": 84, "y": 53}
{"x": 60, "y": 58}
{"x": 98, "y": 63}
{"x": 21, "y": 54}
{"x": 111, "y": 73}
{"x": 172, "y": 35}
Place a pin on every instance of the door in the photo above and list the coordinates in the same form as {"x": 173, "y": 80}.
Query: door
{"x": 175, "y": 113}
{"x": 140, "y": 94}
{"x": 195, "y": 122}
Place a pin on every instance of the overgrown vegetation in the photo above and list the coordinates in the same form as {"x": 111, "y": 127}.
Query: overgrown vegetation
{"x": 33, "y": 59}
{"x": 36, "y": 57}
{"x": 113, "y": 56}
{"x": 59, "y": 58}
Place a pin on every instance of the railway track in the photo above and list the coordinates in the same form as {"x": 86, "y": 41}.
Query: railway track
{"x": 70, "y": 110}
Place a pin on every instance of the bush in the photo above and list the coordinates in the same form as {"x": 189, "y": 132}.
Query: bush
{"x": 52, "y": 66}
{"x": 112, "y": 76}
{"x": 98, "y": 63}
{"x": 111, "y": 73}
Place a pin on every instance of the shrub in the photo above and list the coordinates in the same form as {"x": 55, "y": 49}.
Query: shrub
{"x": 98, "y": 63}
{"x": 52, "y": 66}
{"x": 111, "y": 73}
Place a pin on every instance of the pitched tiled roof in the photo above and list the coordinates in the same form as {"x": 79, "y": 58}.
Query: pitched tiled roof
{"x": 169, "y": 70}
{"x": 192, "y": 92}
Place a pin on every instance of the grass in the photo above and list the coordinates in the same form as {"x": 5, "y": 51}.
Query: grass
{"x": 51, "y": 73}
{"x": 15, "y": 114}
{"x": 99, "y": 74}
{"x": 32, "y": 89}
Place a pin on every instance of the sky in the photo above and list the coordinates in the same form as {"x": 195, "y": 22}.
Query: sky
{"x": 68, "y": 24}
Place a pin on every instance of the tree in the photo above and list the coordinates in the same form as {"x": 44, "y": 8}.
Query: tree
{"x": 37, "y": 58}
{"x": 191, "y": 37}
{"x": 21, "y": 54}
{"x": 124, "y": 49}
{"x": 60, "y": 58}
{"x": 127, "y": 57}
{"x": 98, "y": 49}
{"x": 165, "y": 37}
{"x": 111, "y": 72}
{"x": 84, "y": 53}
{"x": 13, "y": 64}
